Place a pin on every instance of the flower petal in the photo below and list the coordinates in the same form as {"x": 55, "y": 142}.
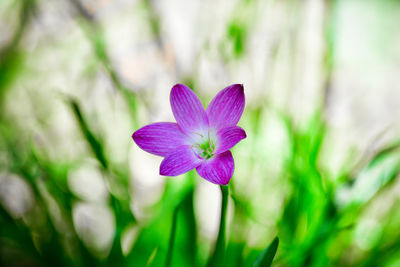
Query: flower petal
{"x": 181, "y": 160}
{"x": 219, "y": 169}
{"x": 159, "y": 138}
{"x": 187, "y": 109}
{"x": 227, "y": 107}
{"x": 228, "y": 138}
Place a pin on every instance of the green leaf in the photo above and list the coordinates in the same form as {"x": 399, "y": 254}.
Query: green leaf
{"x": 267, "y": 255}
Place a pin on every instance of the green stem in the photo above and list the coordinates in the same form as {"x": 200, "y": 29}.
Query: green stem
{"x": 217, "y": 259}
{"x": 172, "y": 237}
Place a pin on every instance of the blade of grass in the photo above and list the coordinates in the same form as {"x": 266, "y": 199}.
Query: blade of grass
{"x": 94, "y": 143}
{"x": 267, "y": 255}
{"x": 186, "y": 236}
{"x": 172, "y": 237}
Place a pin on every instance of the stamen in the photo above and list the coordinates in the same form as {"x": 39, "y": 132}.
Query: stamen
{"x": 198, "y": 134}
{"x": 205, "y": 148}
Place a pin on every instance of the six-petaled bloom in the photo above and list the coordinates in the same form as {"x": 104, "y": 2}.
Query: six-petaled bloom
{"x": 201, "y": 138}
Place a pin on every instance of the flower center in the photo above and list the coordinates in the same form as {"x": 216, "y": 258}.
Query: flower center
{"x": 205, "y": 146}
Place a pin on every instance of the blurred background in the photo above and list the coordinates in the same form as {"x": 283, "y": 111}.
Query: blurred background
{"x": 319, "y": 168}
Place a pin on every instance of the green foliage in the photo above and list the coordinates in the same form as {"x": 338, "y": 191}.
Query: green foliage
{"x": 349, "y": 217}
{"x": 237, "y": 35}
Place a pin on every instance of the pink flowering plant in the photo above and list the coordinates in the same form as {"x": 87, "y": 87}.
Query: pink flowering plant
{"x": 200, "y": 138}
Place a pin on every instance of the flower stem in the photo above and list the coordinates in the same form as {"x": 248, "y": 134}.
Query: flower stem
{"x": 217, "y": 259}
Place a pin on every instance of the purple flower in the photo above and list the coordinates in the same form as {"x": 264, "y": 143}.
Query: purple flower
{"x": 201, "y": 138}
